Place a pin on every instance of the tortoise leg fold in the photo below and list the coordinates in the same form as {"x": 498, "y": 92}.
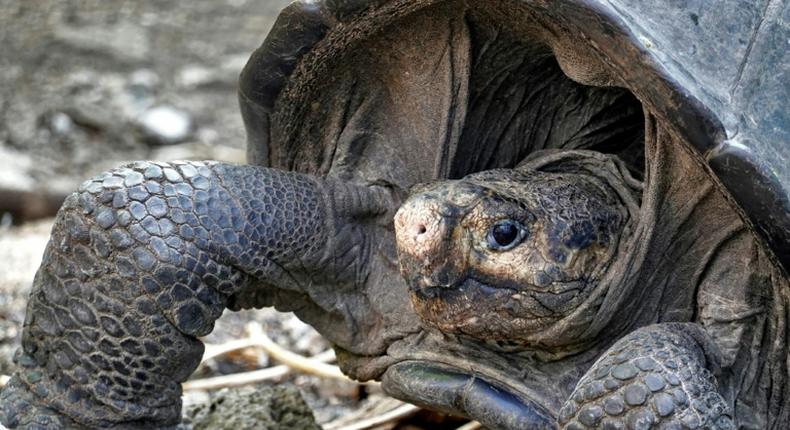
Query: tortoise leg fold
{"x": 142, "y": 260}
{"x": 656, "y": 377}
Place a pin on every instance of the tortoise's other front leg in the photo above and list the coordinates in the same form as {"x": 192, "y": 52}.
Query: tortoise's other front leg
{"x": 142, "y": 260}
{"x": 658, "y": 377}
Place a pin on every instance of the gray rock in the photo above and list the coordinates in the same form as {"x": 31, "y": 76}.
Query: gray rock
{"x": 124, "y": 41}
{"x": 165, "y": 124}
{"x": 14, "y": 170}
{"x": 61, "y": 123}
{"x": 194, "y": 75}
{"x": 222, "y": 73}
{"x": 144, "y": 78}
{"x": 261, "y": 407}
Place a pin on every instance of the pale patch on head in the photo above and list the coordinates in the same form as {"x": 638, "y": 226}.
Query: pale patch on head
{"x": 418, "y": 227}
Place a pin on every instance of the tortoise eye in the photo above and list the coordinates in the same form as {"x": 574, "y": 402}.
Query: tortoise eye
{"x": 505, "y": 235}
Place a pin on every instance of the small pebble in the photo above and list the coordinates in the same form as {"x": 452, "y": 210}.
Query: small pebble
{"x": 165, "y": 124}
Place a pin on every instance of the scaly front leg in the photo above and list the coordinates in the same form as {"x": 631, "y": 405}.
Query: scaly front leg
{"x": 143, "y": 259}
{"x": 658, "y": 377}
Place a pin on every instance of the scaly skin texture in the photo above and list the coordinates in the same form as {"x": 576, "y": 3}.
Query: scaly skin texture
{"x": 656, "y": 377}
{"x": 142, "y": 260}
{"x": 414, "y": 91}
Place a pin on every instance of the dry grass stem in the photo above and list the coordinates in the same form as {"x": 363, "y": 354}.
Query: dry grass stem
{"x": 252, "y": 377}
{"x": 291, "y": 359}
{"x": 403, "y": 411}
{"x": 214, "y": 351}
{"x": 316, "y": 365}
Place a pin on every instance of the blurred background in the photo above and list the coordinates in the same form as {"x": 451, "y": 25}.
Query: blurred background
{"x": 87, "y": 85}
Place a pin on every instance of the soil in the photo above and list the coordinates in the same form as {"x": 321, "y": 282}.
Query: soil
{"x": 79, "y": 78}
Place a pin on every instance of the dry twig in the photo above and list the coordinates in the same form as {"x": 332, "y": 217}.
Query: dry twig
{"x": 403, "y": 411}
{"x": 316, "y": 365}
{"x": 291, "y": 359}
{"x": 471, "y": 425}
{"x": 246, "y": 378}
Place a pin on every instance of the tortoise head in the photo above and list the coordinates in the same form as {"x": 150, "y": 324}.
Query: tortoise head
{"x": 509, "y": 255}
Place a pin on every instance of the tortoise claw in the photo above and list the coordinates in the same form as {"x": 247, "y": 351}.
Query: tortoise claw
{"x": 451, "y": 391}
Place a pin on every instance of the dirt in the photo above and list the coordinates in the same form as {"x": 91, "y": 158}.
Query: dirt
{"x": 283, "y": 409}
{"x": 79, "y": 76}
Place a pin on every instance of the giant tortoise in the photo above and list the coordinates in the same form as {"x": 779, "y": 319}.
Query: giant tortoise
{"x": 537, "y": 214}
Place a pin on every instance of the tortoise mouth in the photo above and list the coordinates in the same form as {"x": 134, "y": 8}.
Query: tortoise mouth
{"x": 486, "y": 312}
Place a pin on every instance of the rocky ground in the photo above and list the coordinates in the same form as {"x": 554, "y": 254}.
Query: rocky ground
{"x": 89, "y": 84}
{"x": 86, "y": 85}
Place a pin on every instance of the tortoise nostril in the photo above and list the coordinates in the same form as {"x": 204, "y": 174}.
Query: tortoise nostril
{"x": 418, "y": 229}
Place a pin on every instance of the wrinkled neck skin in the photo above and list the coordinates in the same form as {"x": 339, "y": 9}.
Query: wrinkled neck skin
{"x": 700, "y": 262}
